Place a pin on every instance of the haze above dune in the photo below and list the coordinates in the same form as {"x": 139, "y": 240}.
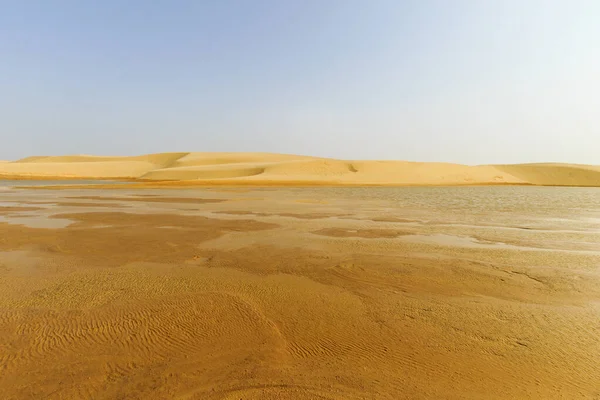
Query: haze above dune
{"x": 283, "y": 169}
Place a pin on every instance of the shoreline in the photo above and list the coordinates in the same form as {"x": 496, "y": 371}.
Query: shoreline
{"x": 133, "y": 183}
{"x": 191, "y": 185}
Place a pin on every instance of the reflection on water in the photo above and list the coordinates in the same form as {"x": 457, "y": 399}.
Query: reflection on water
{"x": 540, "y": 217}
{"x": 36, "y": 221}
{"x": 471, "y": 242}
{"x": 451, "y": 240}
{"x": 566, "y": 200}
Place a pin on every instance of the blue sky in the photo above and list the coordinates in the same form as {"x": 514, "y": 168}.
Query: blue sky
{"x": 459, "y": 81}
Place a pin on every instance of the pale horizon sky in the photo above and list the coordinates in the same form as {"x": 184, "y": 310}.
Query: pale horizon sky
{"x": 465, "y": 81}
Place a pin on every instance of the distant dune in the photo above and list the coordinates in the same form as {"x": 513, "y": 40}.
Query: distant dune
{"x": 283, "y": 169}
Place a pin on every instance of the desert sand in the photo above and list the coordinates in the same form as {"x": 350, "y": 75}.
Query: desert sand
{"x": 280, "y": 169}
{"x": 300, "y": 293}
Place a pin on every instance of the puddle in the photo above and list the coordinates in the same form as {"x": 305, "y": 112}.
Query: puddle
{"x": 13, "y": 204}
{"x": 37, "y": 221}
{"x": 470, "y": 242}
{"x": 457, "y": 241}
{"x": 524, "y": 228}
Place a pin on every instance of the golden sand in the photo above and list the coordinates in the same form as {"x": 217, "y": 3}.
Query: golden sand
{"x": 233, "y": 295}
{"x": 264, "y": 169}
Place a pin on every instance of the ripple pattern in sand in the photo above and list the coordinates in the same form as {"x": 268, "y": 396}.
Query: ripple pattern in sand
{"x": 135, "y": 338}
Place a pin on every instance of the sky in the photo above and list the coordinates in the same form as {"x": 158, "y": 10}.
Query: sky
{"x": 463, "y": 81}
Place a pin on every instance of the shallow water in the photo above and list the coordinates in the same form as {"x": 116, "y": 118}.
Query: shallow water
{"x": 564, "y": 200}
{"x": 564, "y": 217}
{"x": 36, "y": 221}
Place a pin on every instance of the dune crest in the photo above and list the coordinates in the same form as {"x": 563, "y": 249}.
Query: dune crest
{"x": 286, "y": 169}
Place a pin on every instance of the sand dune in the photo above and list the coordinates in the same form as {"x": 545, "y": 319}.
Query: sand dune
{"x": 415, "y": 173}
{"x": 555, "y": 174}
{"x": 199, "y": 159}
{"x": 88, "y": 167}
{"x": 97, "y": 170}
{"x": 158, "y": 159}
{"x": 269, "y": 168}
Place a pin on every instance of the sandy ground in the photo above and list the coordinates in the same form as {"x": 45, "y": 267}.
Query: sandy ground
{"x": 281, "y": 169}
{"x": 432, "y": 293}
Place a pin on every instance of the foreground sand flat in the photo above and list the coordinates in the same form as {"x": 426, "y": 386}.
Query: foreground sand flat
{"x": 282, "y": 169}
{"x": 290, "y": 293}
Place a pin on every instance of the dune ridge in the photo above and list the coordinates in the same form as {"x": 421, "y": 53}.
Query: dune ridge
{"x": 285, "y": 169}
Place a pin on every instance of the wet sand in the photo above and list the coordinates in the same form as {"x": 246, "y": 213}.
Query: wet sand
{"x": 314, "y": 293}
